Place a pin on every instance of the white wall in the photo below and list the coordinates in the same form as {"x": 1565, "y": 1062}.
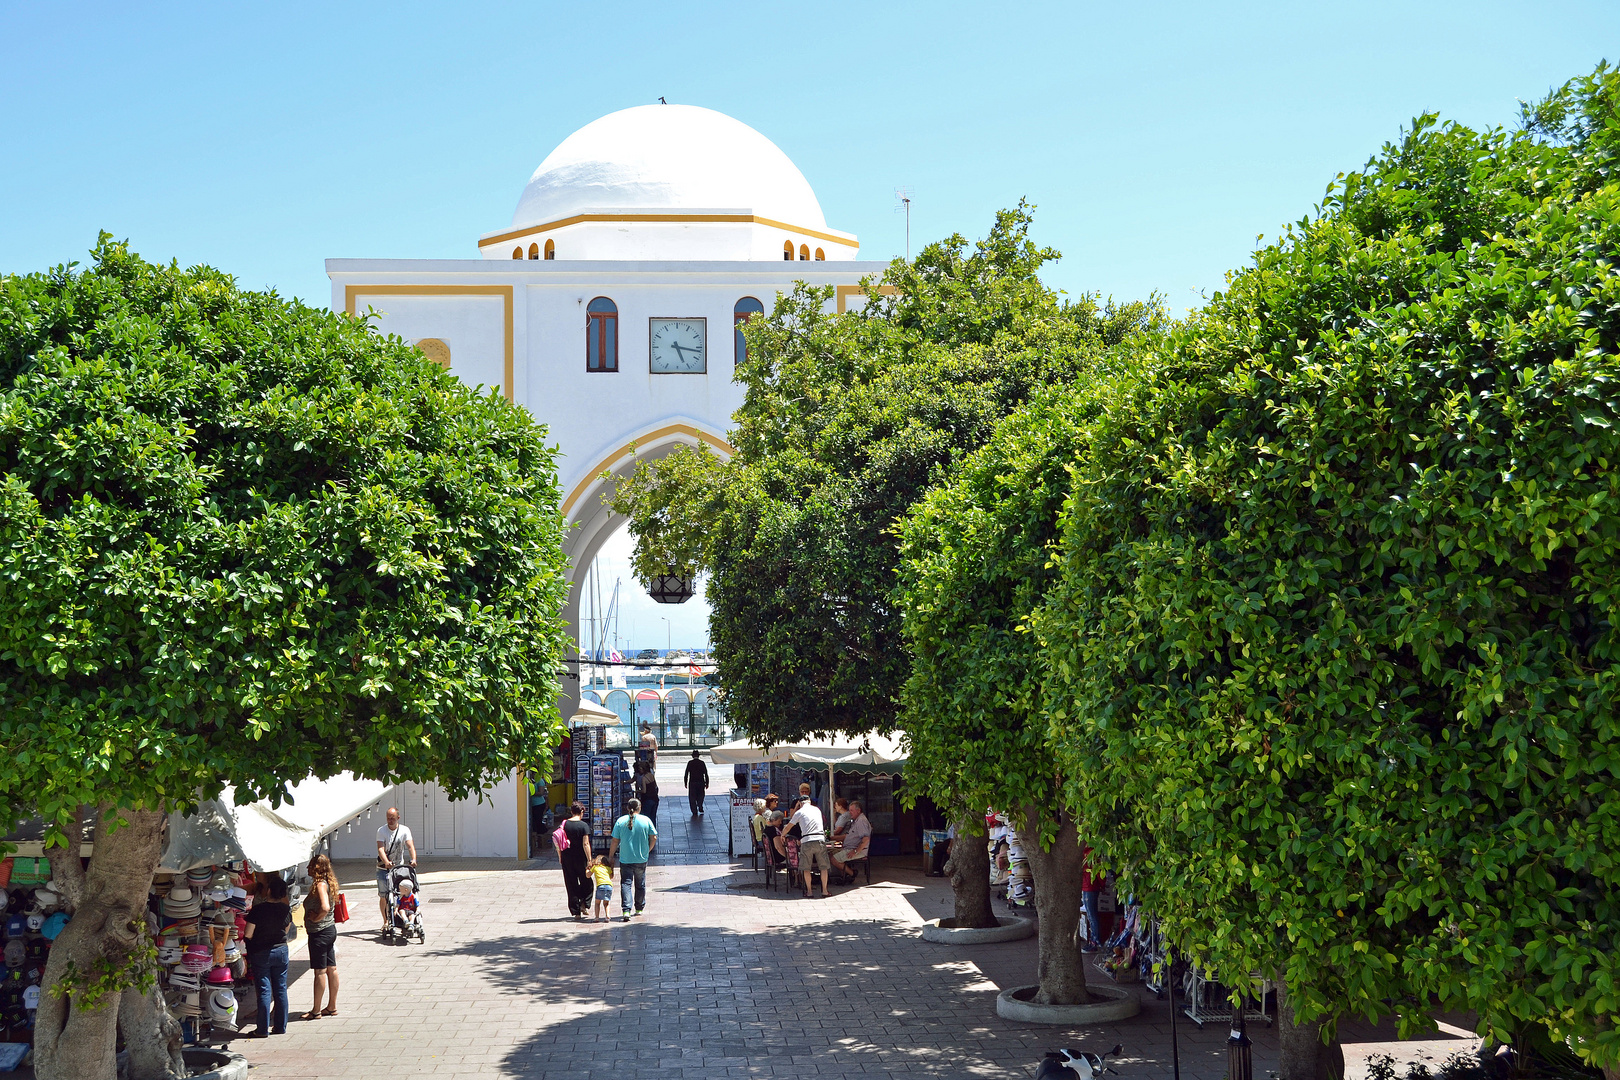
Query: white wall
{"x": 590, "y": 415}
{"x": 487, "y": 829}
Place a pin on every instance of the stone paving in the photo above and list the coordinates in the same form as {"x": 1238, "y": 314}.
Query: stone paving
{"x": 719, "y": 979}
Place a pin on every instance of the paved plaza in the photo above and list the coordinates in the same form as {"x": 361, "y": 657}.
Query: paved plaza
{"x": 719, "y": 979}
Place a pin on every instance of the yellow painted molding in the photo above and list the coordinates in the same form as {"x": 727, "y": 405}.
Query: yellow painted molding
{"x": 577, "y": 219}
{"x": 844, "y": 292}
{"x": 630, "y": 448}
{"x": 502, "y": 291}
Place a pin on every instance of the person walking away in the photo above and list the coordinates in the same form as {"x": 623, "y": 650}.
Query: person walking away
{"x": 266, "y": 935}
{"x": 813, "y": 847}
{"x": 857, "y": 838}
{"x": 575, "y": 858}
{"x": 602, "y": 879}
{"x": 646, "y": 785}
{"x": 320, "y": 923}
{"x": 649, "y": 743}
{"x": 394, "y": 841}
{"x": 636, "y": 835}
{"x": 697, "y": 784}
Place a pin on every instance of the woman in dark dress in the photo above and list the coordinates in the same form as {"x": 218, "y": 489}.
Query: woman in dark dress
{"x": 575, "y": 858}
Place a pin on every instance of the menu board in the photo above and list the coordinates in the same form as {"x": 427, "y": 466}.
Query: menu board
{"x": 742, "y": 830}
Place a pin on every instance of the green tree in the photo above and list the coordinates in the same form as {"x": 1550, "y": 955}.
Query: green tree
{"x": 243, "y": 541}
{"x": 974, "y": 564}
{"x": 1332, "y": 655}
{"x": 848, "y": 420}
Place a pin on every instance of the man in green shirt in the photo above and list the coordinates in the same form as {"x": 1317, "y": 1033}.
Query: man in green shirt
{"x": 637, "y": 835}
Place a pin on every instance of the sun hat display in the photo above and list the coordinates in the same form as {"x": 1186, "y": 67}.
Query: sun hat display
{"x": 169, "y": 956}
{"x": 198, "y": 958}
{"x": 222, "y": 1008}
{"x": 220, "y": 974}
{"x": 180, "y": 979}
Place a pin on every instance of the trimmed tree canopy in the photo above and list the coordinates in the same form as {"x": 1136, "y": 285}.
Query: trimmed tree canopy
{"x": 1333, "y": 653}
{"x": 243, "y": 541}
{"x": 848, "y": 420}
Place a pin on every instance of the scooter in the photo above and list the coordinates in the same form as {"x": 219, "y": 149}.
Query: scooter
{"x": 1066, "y": 1064}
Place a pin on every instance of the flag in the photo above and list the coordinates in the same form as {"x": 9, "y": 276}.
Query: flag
{"x": 615, "y": 656}
{"x": 694, "y": 671}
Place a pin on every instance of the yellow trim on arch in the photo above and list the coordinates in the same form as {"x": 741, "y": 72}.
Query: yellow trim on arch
{"x": 629, "y": 448}
{"x": 502, "y": 291}
{"x": 577, "y": 219}
{"x": 844, "y": 292}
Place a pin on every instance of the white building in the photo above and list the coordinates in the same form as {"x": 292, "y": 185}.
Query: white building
{"x": 607, "y": 309}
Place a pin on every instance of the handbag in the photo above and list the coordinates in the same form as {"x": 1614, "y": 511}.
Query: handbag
{"x": 560, "y": 838}
{"x": 340, "y": 913}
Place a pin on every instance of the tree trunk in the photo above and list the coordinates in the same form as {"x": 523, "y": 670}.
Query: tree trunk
{"x": 74, "y": 1040}
{"x": 969, "y": 867}
{"x": 152, "y": 1037}
{"x": 1302, "y": 1053}
{"x": 1057, "y": 903}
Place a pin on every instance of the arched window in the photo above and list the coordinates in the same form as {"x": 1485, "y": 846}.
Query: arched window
{"x": 602, "y": 335}
{"x": 618, "y": 701}
{"x": 591, "y": 696}
{"x": 551, "y": 249}
{"x": 804, "y": 252}
{"x": 677, "y": 716}
{"x": 517, "y": 253}
{"x": 821, "y": 256}
{"x": 534, "y": 251}
{"x": 746, "y": 309}
{"x": 787, "y": 251}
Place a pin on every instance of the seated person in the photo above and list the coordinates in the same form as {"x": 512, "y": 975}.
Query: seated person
{"x": 757, "y": 822}
{"x": 857, "y": 839}
{"x": 840, "y": 819}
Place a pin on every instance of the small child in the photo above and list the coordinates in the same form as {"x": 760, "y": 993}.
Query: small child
{"x": 602, "y": 874}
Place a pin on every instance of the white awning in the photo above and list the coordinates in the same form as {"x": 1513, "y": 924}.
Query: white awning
{"x": 589, "y": 712}
{"x": 269, "y": 838}
{"x": 869, "y": 749}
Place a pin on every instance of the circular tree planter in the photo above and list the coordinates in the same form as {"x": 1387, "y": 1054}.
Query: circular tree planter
{"x": 206, "y": 1064}
{"x": 1120, "y": 1003}
{"x": 1010, "y": 929}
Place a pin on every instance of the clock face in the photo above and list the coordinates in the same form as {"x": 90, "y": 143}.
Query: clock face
{"x": 679, "y": 346}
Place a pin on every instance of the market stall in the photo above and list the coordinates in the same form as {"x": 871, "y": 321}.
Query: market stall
{"x": 866, "y": 769}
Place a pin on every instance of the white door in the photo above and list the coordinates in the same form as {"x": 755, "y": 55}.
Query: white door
{"x": 440, "y": 826}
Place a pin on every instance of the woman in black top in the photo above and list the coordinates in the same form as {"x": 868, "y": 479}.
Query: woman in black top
{"x": 266, "y": 934}
{"x": 575, "y": 858}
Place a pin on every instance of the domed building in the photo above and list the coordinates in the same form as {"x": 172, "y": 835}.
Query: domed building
{"x": 668, "y": 182}
{"x": 609, "y": 308}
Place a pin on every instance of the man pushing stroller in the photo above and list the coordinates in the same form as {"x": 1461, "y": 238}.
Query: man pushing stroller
{"x": 394, "y": 841}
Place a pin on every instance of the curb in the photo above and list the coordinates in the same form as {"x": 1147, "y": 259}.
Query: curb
{"x": 1122, "y": 1005}
{"x": 223, "y": 1064}
{"x": 1010, "y": 929}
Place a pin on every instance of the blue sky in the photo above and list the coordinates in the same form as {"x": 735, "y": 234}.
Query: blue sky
{"x": 1156, "y": 139}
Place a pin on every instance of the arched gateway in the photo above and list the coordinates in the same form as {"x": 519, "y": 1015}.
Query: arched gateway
{"x": 608, "y": 310}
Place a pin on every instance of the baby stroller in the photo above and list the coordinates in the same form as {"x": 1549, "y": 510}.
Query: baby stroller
{"x": 404, "y": 914}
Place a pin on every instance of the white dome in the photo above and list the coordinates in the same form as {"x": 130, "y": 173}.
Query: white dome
{"x": 668, "y": 157}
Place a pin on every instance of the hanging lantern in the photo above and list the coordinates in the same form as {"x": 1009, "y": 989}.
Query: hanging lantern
{"x": 671, "y": 588}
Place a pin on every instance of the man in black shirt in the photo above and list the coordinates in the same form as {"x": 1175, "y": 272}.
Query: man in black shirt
{"x": 697, "y": 783}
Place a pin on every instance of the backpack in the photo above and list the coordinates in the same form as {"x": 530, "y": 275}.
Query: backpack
{"x": 560, "y": 838}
